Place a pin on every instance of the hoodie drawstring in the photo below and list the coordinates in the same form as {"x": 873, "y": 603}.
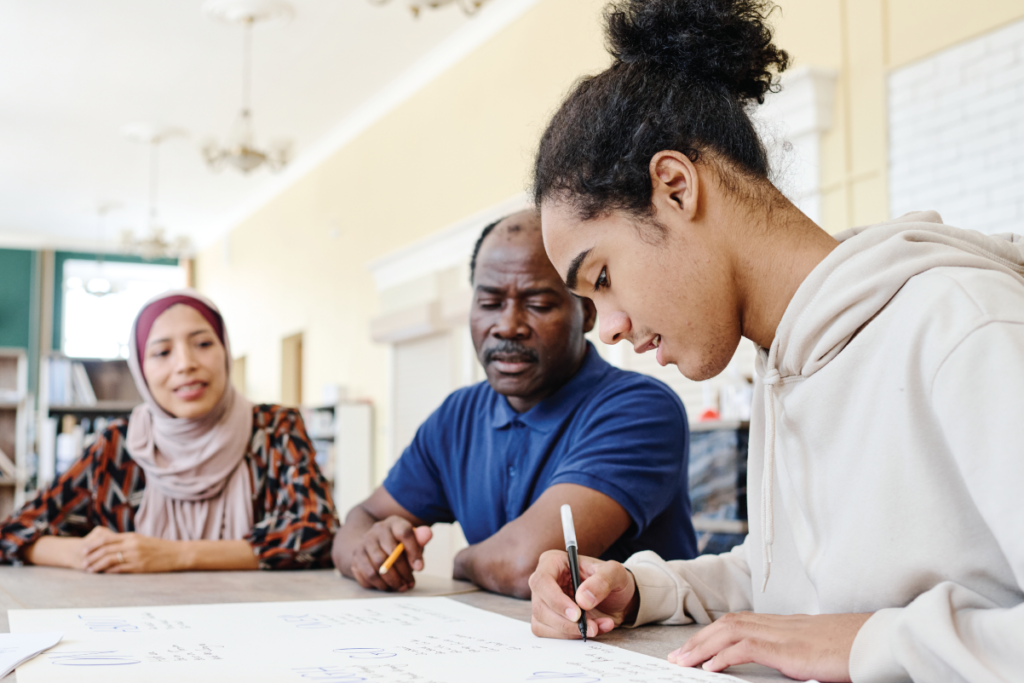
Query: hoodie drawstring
{"x": 768, "y": 474}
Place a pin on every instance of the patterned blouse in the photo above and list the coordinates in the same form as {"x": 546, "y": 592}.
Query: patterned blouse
{"x": 294, "y": 513}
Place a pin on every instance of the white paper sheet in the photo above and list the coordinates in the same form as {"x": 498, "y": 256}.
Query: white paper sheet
{"x": 386, "y": 640}
{"x": 15, "y": 648}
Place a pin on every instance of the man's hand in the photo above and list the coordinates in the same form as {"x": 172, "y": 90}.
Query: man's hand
{"x": 109, "y": 552}
{"x": 377, "y": 544}
{"x": 607, "y": 593}
{"x": 799, "y": 646}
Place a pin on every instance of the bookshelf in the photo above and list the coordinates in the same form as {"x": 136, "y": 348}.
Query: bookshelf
{"x": 78, "y": 397}
{"x": 14, "y": 422}
{"x": 342, "y": 435}
{"x": 718, "y": 483}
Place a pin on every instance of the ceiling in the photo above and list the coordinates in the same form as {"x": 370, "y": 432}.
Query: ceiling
{"x": 75, "y": 72}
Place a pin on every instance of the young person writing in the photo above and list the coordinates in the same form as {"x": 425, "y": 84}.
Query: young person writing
{"x": 885, "y": 462}
{"x": 198, "y": 478}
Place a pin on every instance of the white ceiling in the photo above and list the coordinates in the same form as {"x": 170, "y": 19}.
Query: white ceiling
{"x": 73, "y": 73}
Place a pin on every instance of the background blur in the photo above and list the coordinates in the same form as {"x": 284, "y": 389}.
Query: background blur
{"x": 343, "y": 277}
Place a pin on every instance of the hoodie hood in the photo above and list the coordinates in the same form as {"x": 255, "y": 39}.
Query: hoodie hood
{"x": 871, "y": 264}
{"x": 847, "y": 289}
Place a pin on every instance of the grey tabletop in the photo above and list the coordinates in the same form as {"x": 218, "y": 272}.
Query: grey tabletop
{"x": 45, "y": 587}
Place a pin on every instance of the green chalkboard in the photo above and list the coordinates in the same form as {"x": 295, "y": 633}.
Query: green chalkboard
{"x": 17, "y": 271}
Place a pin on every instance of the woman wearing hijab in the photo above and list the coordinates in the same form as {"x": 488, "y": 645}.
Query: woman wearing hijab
{"x": 198, "y": 478}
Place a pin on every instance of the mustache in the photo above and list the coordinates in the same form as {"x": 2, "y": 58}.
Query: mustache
{"x": 512, "y": 349}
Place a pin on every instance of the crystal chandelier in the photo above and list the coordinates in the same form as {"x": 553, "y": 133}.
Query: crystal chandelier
{"x": 241, "y": 150}
{"x": 155, "y": 244}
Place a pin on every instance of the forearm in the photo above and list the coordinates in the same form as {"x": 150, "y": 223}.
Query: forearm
{"x": 55, "y": 551}
{"x": 350, "y": 537}
{"x": 687, "y": 591}
{"x": 504, "y": 570}
{"x": 216, "y": 555}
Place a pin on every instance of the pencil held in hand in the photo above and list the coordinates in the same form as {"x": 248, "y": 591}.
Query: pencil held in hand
{"x": 392, "y": 558}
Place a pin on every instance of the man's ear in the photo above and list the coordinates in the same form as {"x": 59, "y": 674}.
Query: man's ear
{"x": 589, "y": 314}
{"x": 675, "y": 185}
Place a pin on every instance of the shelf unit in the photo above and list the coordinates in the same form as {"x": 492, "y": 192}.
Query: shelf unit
{"x": 14, "y": 422}
{"x": 345, "y": 431}
{"x": 111, "y": 382}
{"x": 718, "y": 483}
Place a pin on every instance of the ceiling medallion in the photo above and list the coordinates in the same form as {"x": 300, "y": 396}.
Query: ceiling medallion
{"x": 154, "y": 245}
{"x": 240, "y": 149}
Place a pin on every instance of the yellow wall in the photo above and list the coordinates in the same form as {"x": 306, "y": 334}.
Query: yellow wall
{"x": 863, "y": 40}
{"x": 465, "y": 142}
{"x": 461, "y": 144}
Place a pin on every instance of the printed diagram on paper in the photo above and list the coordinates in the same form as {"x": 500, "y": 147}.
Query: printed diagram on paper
{"x": 386, "y": 640}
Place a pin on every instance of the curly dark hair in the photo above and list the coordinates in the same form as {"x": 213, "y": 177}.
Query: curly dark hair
{"x": 683, "y": 77}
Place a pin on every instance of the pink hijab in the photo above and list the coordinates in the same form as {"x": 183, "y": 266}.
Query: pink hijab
{"x": 197, "y": 485}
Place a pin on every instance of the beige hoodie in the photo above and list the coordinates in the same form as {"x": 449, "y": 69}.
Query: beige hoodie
{"x": 886, "y": 467}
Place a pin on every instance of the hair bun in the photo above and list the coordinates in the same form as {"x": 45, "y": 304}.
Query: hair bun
{"x": 726, "y": 43}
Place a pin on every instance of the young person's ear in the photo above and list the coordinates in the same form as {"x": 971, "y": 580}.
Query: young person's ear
{"x": 674, "y": 184}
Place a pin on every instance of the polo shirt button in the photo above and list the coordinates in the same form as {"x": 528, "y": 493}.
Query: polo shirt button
{"x": 511, "y": 471}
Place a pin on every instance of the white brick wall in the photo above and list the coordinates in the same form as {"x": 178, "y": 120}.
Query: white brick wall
{"x": 956, "y": 134}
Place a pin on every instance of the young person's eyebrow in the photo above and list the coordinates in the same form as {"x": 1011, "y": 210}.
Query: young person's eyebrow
{"x": 574, "y": 269}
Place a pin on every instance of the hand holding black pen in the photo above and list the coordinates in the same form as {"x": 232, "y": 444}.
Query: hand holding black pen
{"x": 569, "y": 531}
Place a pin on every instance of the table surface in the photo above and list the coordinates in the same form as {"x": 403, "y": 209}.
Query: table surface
{"x": 46, "y": 587}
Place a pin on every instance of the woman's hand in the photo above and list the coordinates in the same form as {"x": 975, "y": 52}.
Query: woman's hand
{"x": 607, "y": 592}
{"x": 799, "y": 646}
{"x": 109, "y": 552}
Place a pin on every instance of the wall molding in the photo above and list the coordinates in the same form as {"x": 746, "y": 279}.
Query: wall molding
{"x": 444, "y": 249}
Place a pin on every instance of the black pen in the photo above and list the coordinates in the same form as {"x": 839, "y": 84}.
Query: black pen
{"x": 569, "y": 531}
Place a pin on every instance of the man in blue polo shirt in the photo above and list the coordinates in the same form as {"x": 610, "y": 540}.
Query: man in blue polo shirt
{"x": 553, "y": 424}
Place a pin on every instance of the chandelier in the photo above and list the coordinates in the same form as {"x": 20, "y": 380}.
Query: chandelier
{"x": 240, "y": 149}
{"x": 469, "y": 7}
{"x": 154, "y": 245}
{"x": 99, "y": 286}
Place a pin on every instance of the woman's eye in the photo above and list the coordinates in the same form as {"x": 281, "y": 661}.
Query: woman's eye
{"x": 159, "y": 354}
{"x": 602, "y": 281}
{"x": 205, "y": 344}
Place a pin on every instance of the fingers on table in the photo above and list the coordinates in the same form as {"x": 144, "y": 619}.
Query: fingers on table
{"x": 104, "y": 558}
{"x": 97, "y": 538}
{"x": 736, "y": 638}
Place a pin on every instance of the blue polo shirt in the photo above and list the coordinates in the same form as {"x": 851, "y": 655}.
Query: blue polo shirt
{"x": 477, "y": 461}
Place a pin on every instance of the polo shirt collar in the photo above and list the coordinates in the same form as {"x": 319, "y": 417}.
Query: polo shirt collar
{"x": 553, "y": 410}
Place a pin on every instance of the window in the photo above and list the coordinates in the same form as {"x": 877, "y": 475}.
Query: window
{"x": 101, "y": 300}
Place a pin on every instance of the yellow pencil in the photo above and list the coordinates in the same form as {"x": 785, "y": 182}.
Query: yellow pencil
{"x": 392, "y": 558}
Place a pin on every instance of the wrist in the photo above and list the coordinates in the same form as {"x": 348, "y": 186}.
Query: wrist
{"x": 184, "y": 555}
{"x": 461, "y": 569}
{"x": 633, "y": 608}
